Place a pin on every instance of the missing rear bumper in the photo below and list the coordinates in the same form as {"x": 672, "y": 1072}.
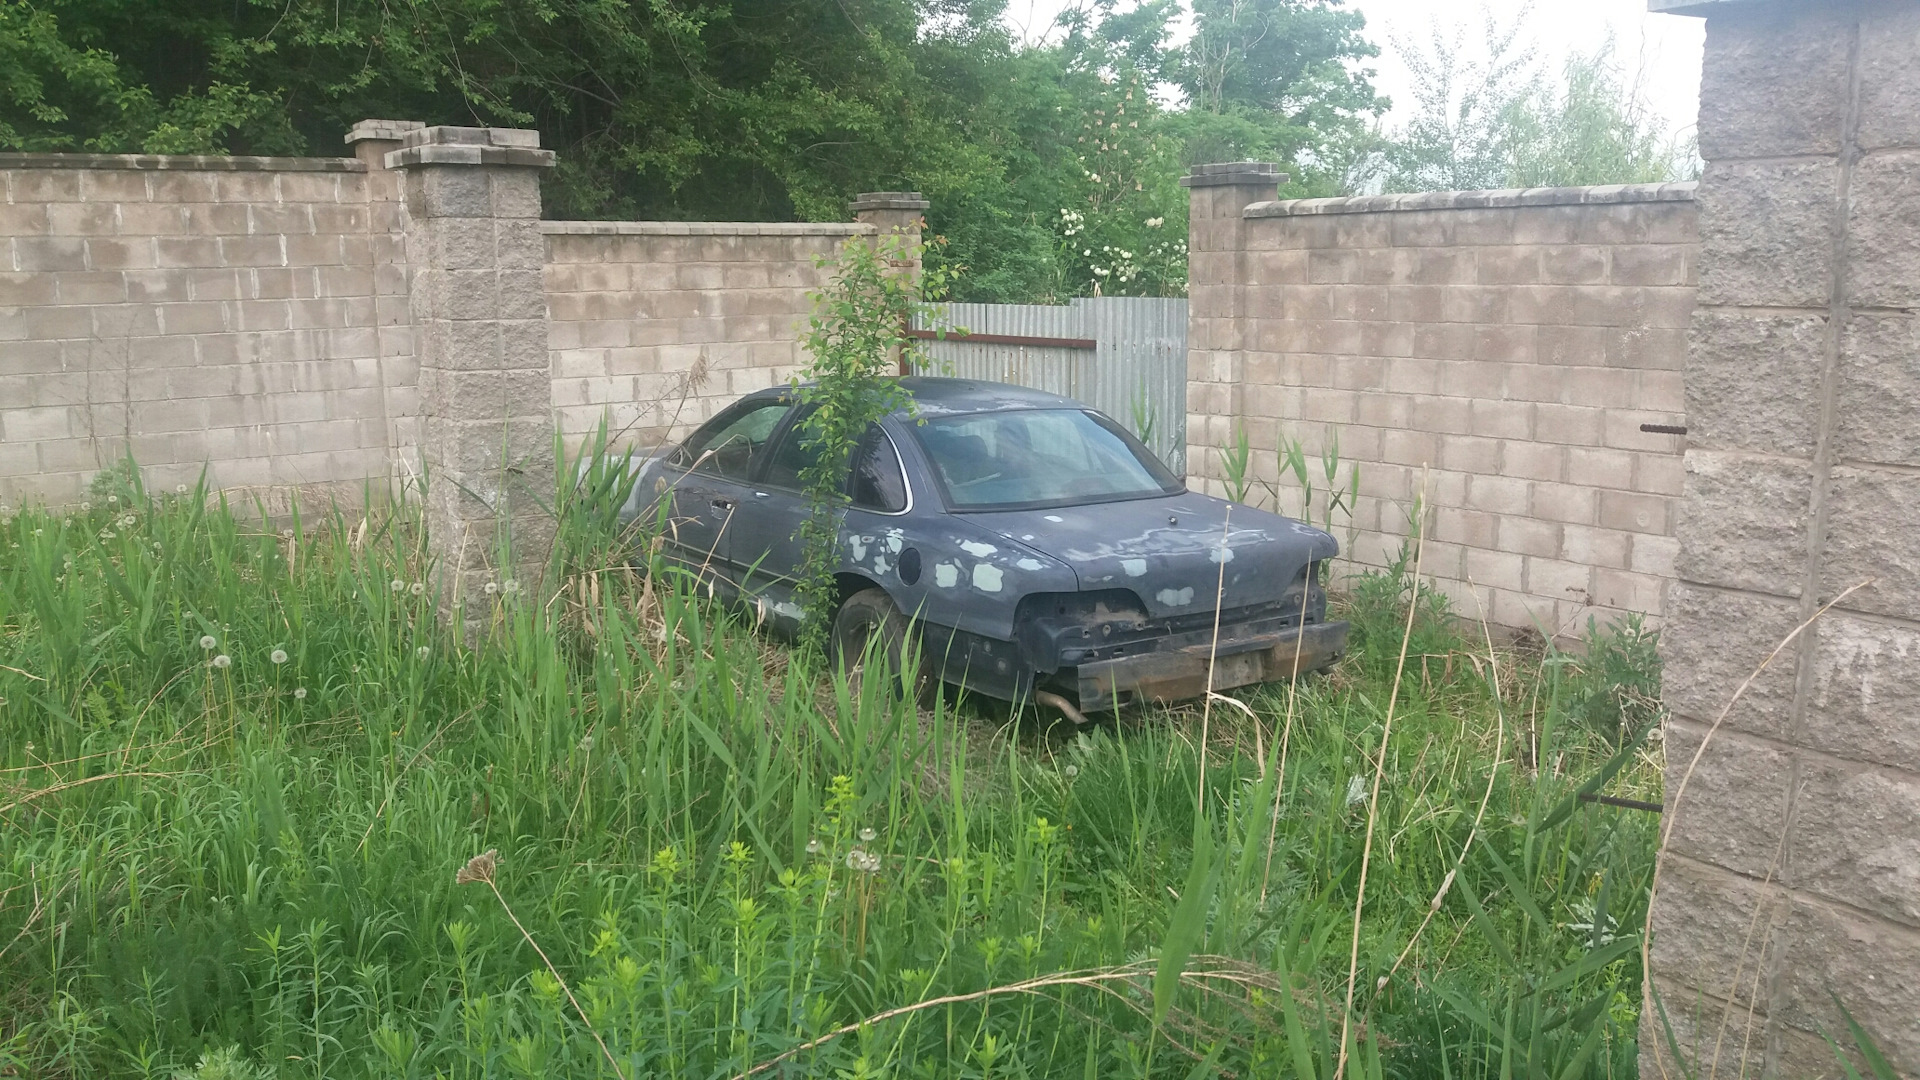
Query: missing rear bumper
{"x": 1180, "y": 674}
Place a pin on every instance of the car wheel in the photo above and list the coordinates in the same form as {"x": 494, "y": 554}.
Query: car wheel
{"x": 870, "y": 629}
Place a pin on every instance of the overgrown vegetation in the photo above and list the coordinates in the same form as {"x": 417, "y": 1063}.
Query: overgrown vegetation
{"x": 243, "y": 766}
{"x": 856, "y": 338}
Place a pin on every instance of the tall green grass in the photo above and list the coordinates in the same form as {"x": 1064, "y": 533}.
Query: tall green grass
{"x": 735, "y": 861}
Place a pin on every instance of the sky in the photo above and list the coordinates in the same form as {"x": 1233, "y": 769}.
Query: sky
{"x": 1661, "y": 52}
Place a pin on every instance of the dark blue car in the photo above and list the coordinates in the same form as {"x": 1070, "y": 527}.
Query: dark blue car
{"x": 1032, "y": 548}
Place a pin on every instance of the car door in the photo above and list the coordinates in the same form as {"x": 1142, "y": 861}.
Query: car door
{"x": 768, "y": 545}
{"x": 707, "y": 480}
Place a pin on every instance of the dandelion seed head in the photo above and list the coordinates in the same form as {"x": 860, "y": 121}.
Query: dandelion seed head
{"x": 417, "y": 588}
{"x": 207, "y": 642}
{"x": 223, "y": 661}
{"x": 85, "y": 505}
{"x": 278, "y": 656}
{"x": 856, "y": 859}
{"x": 1071, "y": 771}
{"x": 586, "y": 744}
{"x": 867, "y": 835}
{"x": 492, "y": 587}
{"x": 113, "y": 500}
{"x": 510, "y": 586}
{"x": 813, "y": 847}
{"x": 396, "y": 585}
{"x": 423, "y": 652}
{"x": 299, "y": 693}
{"x": 179, "y": 489}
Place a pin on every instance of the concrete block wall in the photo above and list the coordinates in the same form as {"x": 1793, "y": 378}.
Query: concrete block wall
{"x": 660, "y": 324}
{"x": 304, "y": 324}
{"x": 1506, "y": 345}
{"x": 247, "y": 313}
{"x": 1793, "y": 872}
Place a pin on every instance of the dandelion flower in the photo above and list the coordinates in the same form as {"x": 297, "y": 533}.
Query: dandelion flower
{"x": 223, "y": 661}
{"x": 813, "y": 846}
{"x": 278, "y": 656}
{"x": 299, "y": 693}
{"x": 423, "y": 652}
{"x": 207, "y": 642}
{"x": 417, "y": 588}
{"x": 396, "y": 585}
{"x": 867, "y": 835}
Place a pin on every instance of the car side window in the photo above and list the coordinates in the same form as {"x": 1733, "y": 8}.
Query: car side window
{"x": 731, "y": 447}
{"x": 878, "y": 483}
{"x": 788, "y": 466}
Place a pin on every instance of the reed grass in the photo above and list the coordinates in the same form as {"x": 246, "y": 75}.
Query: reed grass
{"x": 716, "y": 861}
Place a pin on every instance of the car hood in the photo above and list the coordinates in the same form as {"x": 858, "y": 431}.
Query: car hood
{"x": 1169, "y": 551}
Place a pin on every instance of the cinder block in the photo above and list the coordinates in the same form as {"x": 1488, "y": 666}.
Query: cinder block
{"x": 1568, "y": 424}
{"x": 1868, "y": 963}
{"x": 1533, "y": 460}
{"x": 1879, "y": 381}
{"x": 1714, "y": 642}
{"x": 1729, "y": 809}
{"x": 1566, "y": 503}
{"x": 1595, "y": 547}
{"x": 1501, "y": 419}
{"x": 1753, "y": 383}
{"x": 1559, "y": 580}
{"x": 1856, "y": 838}
{"x": 1871, "y": 537}
{"x": 1883, "y": 257}
{"x": 1645, "y": 347}
{"x": 1718, "y": 933}
{"x": 1766, "y": 232}
{"x": 1573, "y": 346}
{"x": 1572, "y": 264}
{"x": 1650, "y": 264}
{"x": 1775, "y": 84}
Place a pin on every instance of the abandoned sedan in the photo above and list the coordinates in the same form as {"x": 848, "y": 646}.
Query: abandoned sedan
{"x": 1028, "y": 545}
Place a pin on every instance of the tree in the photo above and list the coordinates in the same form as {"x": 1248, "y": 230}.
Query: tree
{"x": 1500, "y": 122}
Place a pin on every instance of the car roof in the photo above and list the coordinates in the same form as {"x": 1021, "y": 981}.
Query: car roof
{"x": 934, "y": 396}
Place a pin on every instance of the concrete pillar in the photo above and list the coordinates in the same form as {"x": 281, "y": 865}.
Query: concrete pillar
{"x": 1216, "y": 298}
{"x": 477, "y": 263}
{"x": 895, "y": 213}
{"x": 1794, "y": 865}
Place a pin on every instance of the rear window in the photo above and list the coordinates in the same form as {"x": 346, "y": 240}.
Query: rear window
{"x": 1039, "y": 457}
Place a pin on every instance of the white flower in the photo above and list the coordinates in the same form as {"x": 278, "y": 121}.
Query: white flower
{"x": 207, "y": 642}
{"x": 129, "y": 521}
{"x": 417, "y": 588}
{"x": 278, "y": 656}
{"x": 423, "y": 652}
{"x": 813, "y": 847}
{"x": 299, "y": 693}
{"x": 222, "y": 661}
{"x": 867, "y": 835}
{"x": 1154, "y": 222}
{"x": 1095, "y": 177}
{"x": 179, "y": 489}
{"x": 106, "y": 534}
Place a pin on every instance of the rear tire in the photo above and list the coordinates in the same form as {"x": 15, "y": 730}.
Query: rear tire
{"x": 869, "y": 628}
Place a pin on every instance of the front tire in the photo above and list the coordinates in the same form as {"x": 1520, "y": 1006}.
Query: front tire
{"x": 869, "y": 629}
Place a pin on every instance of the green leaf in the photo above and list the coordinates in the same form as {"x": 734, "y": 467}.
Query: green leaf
{"x": 1184, "y": 929}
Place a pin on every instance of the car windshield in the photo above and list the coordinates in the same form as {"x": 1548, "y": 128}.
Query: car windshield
{"x": 1039, "y": 457}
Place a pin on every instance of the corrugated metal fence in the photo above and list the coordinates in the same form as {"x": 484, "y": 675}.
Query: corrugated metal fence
{"x": 1124, "y": 355}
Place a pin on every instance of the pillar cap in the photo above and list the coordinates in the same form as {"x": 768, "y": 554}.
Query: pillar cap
{"x": 1235, "y": 174}
{"x": 888, "y": 200}
{"x": 470, "y": 146}
{"x": 382, "y": 130}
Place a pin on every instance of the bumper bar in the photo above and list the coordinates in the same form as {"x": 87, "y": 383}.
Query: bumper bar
{"x": 1180, "y": 674}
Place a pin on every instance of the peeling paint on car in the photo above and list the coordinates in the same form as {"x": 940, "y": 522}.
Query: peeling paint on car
{"x": 946, "y": 575}
{"x": 1055, "y": 518}
{"x": 1176, "y": 597}
{"x": 896, "y": 538}
{"x": 977, "y": 549}
{"x": 1221, "y": 554}
{"x": 987, "y": 578}
{"x": 1031, "y": 564}
{"x": 1134, "y": 567}
{"x": 858, "y": 545}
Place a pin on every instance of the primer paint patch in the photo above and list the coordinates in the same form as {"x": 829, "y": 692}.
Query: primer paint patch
{"x": 1031, "y": 564}
{"x": 987, "y": 578}
{"x": 1055, "y": 518}
{"x": 1175, "y": 597}
{"x": 946, "y": 575}
{"x": 1134, "y": 567}
{"x": 1222, "y": 555}
{"x": 895, "y": 540}
{"x": 977, "y": 549}
{"x": 859, "y": 546}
